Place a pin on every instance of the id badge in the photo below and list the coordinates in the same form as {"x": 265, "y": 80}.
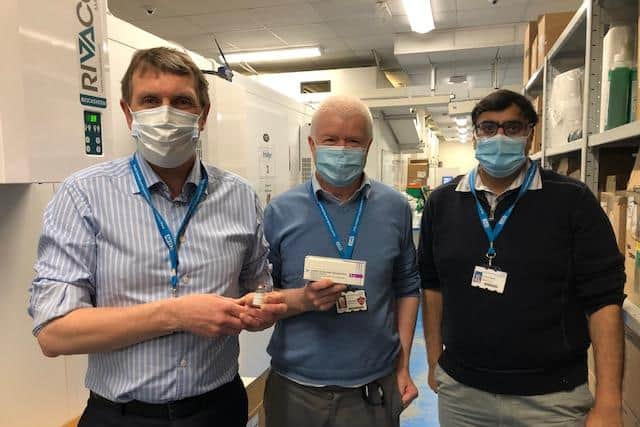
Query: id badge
{"x": 489, "y": 279}
{"x": 352, "y": 301}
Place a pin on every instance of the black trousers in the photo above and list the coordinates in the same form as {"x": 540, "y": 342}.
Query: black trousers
{"x": 226, "y": 406}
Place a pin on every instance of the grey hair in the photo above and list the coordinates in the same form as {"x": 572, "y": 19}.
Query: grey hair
{"x": 344, "y": 106}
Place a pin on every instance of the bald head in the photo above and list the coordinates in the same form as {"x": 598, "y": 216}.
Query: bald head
{"x": 345, "y": 107}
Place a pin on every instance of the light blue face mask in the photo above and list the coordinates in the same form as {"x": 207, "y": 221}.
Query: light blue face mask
{"x": 500, "y": 155}
{"x": 339, "y": 166}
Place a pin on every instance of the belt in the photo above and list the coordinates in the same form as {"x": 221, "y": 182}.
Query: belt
{"x": 174, "y": 409}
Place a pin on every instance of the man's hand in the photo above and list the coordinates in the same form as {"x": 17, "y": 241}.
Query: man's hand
{"x": 604, "y": 417}
{"x": 322, "y": 295}
{"x": 263, "y": 317}
{"x": 208, "y": 315}
{"x": 431, "y": 378}
{"x": 408, "y": 389}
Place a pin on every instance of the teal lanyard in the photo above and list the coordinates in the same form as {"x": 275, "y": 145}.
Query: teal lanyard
{"x": 344, "y": 252}
{"x": 493, "y": 233}
{"x": 170, "y": 241}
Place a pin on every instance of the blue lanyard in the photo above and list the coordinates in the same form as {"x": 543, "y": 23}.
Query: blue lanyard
{"x": 492, "y": 234}
{"x": 345, "y": 252}
{"x": 171, "y": 241}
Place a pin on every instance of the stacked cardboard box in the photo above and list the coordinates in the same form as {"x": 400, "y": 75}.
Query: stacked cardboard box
{"x": 255, "y": 391}
{"x": 569, "y": 166}
{"x": 530, "y": 32}
{"x": 536, "y": 145}
{"x": 418, "y": 172}
{"x": 632, "y": 246}
{"x": 550, "y": 26}
{"x": 615, "y": 206}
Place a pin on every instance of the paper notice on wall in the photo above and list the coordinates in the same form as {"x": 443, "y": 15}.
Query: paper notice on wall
{"x": 265, "y": 190}
{"x": 265, "y": 160}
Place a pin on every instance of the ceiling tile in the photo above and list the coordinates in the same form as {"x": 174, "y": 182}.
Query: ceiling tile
{"x": 401, "y": 24}
{"x": 201, "y": 7}
{"x": 488, "y": 16}
{"x": 249, "y": 40}
{"x": 132, "y": 10}
{"x": 197, "y": 42}
{"x": 370, "y": 42}
{"x": 170, "y": 27}
{"x": 239, "y": 20}
{"x": 445, "y": 19}
{"x": 339, "y": 9}
{"x": 292, "y": 14}
{"x": 361, "y": 27}
{"x": 484, "y": 4}
{"x": 443, "y": 6}
{"x": 304, "y": 34}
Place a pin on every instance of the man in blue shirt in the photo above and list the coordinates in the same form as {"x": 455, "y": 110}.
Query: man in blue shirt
{"x": 345, "y": 364}
{"x": 143, "y": 261}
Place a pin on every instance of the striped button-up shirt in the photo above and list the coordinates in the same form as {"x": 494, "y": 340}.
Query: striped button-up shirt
{"x": 100, "y": 247}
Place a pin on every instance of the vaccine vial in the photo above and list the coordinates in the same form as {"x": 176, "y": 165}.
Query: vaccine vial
{"x": 260, "y": 292}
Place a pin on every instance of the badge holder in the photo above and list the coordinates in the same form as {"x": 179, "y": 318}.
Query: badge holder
{"x": 489, "y": 277}
{"x": 352, "y": 301}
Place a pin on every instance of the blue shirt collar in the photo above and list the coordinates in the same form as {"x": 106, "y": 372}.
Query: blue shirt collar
{"x": 154, "y": 181}
{"x": 365, "y": 188}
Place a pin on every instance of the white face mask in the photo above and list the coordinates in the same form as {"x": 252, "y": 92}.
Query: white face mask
{"x": 165, "y": 136}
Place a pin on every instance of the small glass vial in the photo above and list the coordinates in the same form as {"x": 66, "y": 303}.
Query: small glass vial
{"x": 260, "y": 292}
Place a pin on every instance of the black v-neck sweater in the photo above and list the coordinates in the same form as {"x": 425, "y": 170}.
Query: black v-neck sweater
{"x": 562, "y": 261}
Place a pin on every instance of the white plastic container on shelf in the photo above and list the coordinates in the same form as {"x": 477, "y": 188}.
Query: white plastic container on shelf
{"x": 619, "y": 40}
{"x": 565, "y": 108}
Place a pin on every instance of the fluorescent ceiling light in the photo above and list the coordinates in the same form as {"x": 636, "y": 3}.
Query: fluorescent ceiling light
{"x": 457, "y": 79}
{"x": 273, "y": 55}
{"x": 420, "y": 15}
{"x": 463, "y": 131}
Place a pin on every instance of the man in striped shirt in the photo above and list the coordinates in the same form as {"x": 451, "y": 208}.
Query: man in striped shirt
{"x": 148, "y": 264}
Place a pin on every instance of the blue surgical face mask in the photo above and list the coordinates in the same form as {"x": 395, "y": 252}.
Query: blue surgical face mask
{"x": 500, "y": 155}
{"x": 339, "y": 166}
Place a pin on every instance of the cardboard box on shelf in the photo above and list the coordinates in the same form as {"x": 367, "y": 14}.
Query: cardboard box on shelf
{"x": 535, "y": 57}
{"x": 550, "y": 26}
{"x": 255, "y": 392}
{"x": 615, "y": 206}
{"x": 634, "y": 179}
{"x": 537, "y": 130}
{"x": 530, "y": 32}
{"x": 632, "y": 247}
{"x": 568, "y": 166}
{"x": 418, "y": 172}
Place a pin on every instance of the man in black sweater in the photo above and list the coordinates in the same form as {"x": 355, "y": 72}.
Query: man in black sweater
{"x": 521, "y": 272}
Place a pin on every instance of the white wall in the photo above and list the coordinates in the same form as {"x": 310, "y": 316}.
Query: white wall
{"x": 456, "y": 158}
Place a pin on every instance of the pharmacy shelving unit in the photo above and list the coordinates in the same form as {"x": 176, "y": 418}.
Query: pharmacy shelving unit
{"x": 581, "y": 45}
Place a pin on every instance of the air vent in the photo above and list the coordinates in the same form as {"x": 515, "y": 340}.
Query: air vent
{"x": 315, "y": 87}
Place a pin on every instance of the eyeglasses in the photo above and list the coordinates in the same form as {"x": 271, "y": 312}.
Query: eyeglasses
{"x": 510, "y": 127}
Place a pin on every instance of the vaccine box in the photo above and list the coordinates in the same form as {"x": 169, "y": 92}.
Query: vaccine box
{"x": 344, "y": 271}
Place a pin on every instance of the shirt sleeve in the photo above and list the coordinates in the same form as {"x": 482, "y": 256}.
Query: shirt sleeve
{"x": 274, "y": 245}
{"x": 66, "y": 260}
{"x": 256, "y": 268}
{"x": 406, "y": 280}
{"x": 597, "y": 262}
{"x": 428, "y": 273}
